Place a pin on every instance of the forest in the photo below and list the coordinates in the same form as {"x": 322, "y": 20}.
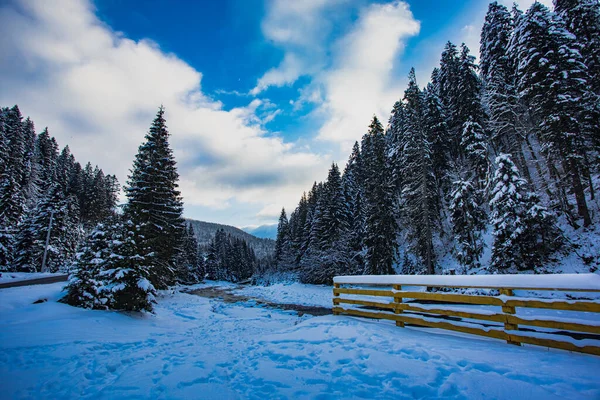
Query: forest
{"x": 498, "y": 157}
{"x": 508, "y": 147}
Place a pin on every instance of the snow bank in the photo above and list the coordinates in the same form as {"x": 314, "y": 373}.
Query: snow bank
{"x": 589, "y": 282}
{"x": 200, "y": 348}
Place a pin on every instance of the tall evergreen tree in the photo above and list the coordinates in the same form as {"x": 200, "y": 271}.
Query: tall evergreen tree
{"x": 154, "y": 203}
{"x": 419, "y": 194}
{"x": 468, "y": 221}
{"x": 553, "y": 82}
{"x": 381, "y": 227}
{"x": 524, "y": 232}
{"x": 582, "y": 18}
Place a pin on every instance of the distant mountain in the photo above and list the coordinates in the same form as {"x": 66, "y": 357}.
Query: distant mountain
{"x": 205, "y": 231}
{"x": 263, "y": 231}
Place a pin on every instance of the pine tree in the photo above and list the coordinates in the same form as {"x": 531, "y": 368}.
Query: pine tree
{"x": 85, "y": 283}
{"x": 419, "y": 194}
{"x": 381, "y": 227}
{"x": 64, "y": 233}
{"x": 524, "y": 231}
{"x": 472, "y": 118}
{"x": 438, "y": 137}
{"x": 468, "y": 221}
{"x": 283, "y": 243}
{"x": 582, "y": 18}
{"x": 508, "y": 117}
{"x": 126, "y": 272}
{"x": 154, "y": 203}
{"x": 553, "y": 82}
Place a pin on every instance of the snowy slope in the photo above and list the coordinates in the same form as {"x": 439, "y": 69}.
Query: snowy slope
{"x": 199, "y": 348}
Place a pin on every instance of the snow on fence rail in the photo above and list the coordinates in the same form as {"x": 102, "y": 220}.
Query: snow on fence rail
{"x": 493, "y": 315}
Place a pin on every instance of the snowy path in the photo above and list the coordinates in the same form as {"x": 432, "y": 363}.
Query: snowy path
{"x": 203, "y": 348}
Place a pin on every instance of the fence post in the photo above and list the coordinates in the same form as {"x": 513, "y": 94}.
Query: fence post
{"x": 397, "y": 309}
{"x": 336, "y": 298}
{"x": 509, "y": 310}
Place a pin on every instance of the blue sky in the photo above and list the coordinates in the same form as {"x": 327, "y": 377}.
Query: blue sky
{"x": 260, "y": 95}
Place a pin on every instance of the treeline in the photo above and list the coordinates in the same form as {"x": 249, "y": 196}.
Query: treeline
{"x": 510, "y": 145}
{"x": 38, "y": 184}
{"x": 229, "y": 258}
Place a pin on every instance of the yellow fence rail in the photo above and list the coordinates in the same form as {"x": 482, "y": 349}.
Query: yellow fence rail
{"x": 493, "y": 315}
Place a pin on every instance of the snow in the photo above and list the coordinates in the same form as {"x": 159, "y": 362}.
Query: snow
{"x": 194, "y": 347}
{"x": 292, "y": 293}
{"x": 24, "y": 276}
{"x": 589, "y": 282}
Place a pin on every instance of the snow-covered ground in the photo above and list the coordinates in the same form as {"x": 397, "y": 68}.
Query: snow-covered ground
{"x": 292, "y": 293}
{"x": 24, "y": 276}
{"x": 194, "y": 347}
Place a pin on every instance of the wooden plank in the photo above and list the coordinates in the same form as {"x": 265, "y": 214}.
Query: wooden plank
{"x": 366, "y": 292}
{"x": 590, "y": 306}
{"x": 567, "y": 326}
{"x": 557, "y": 344}
{"x": 502, "y": 318}
{"x": 419, "y": 321}
{"x": 391, "y": 306}
{"x": 493, "y": 333}
{"x": 452, "y": 298}
{"x": 454, "y": 313}
{"x": 367, "y": 314}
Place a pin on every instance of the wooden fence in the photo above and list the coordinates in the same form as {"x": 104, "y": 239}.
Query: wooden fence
{"x": 500, "y": 314}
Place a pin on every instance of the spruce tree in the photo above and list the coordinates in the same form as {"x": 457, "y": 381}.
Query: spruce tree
{"x": 553, "y": 82}
{"x": 126, "y": 272}
{"x": 582, "y": 18}
{"x": 381, "y": 227}
{"x": 419, "y": 194}
{"x": 468, "y": 222}
{"x": 525, "y": 233}
{"x": 85, "y": 281}
{"x": 154, "y": 203}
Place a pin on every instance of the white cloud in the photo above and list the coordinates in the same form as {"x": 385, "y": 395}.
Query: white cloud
{"x": 361, "y": 83}
{"x": 300, "y": 28}
{"x": 98, "y": 92}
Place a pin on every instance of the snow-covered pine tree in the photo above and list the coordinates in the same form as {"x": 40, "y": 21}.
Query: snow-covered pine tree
{"x": 508, "y": 117}
{"x": 419, "y": 202}
{"x": 438, "y": 137}
{"x": 582, "y": 18}
{"x": 468, "y": 221}
{"x": 472, "y": 118}
{"x": 381, "y": 227}
{"x": 447, "y": 83}
{"x": 329, "y": 252}
{"x": 12, "y": 196}
{"x": 524, "y": 231}
{"x": 64, "y": 233}
{"x": 45, "y": 156}
{"x": 154, "y": 203}
{"x": 126, "y": 272}
{"x": 85, "y": 281}
{"x": 283, "y": 244}
{"x": 552, "y": 79}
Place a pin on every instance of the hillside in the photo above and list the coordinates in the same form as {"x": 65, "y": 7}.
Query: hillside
{"x": 205, "y": 231}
